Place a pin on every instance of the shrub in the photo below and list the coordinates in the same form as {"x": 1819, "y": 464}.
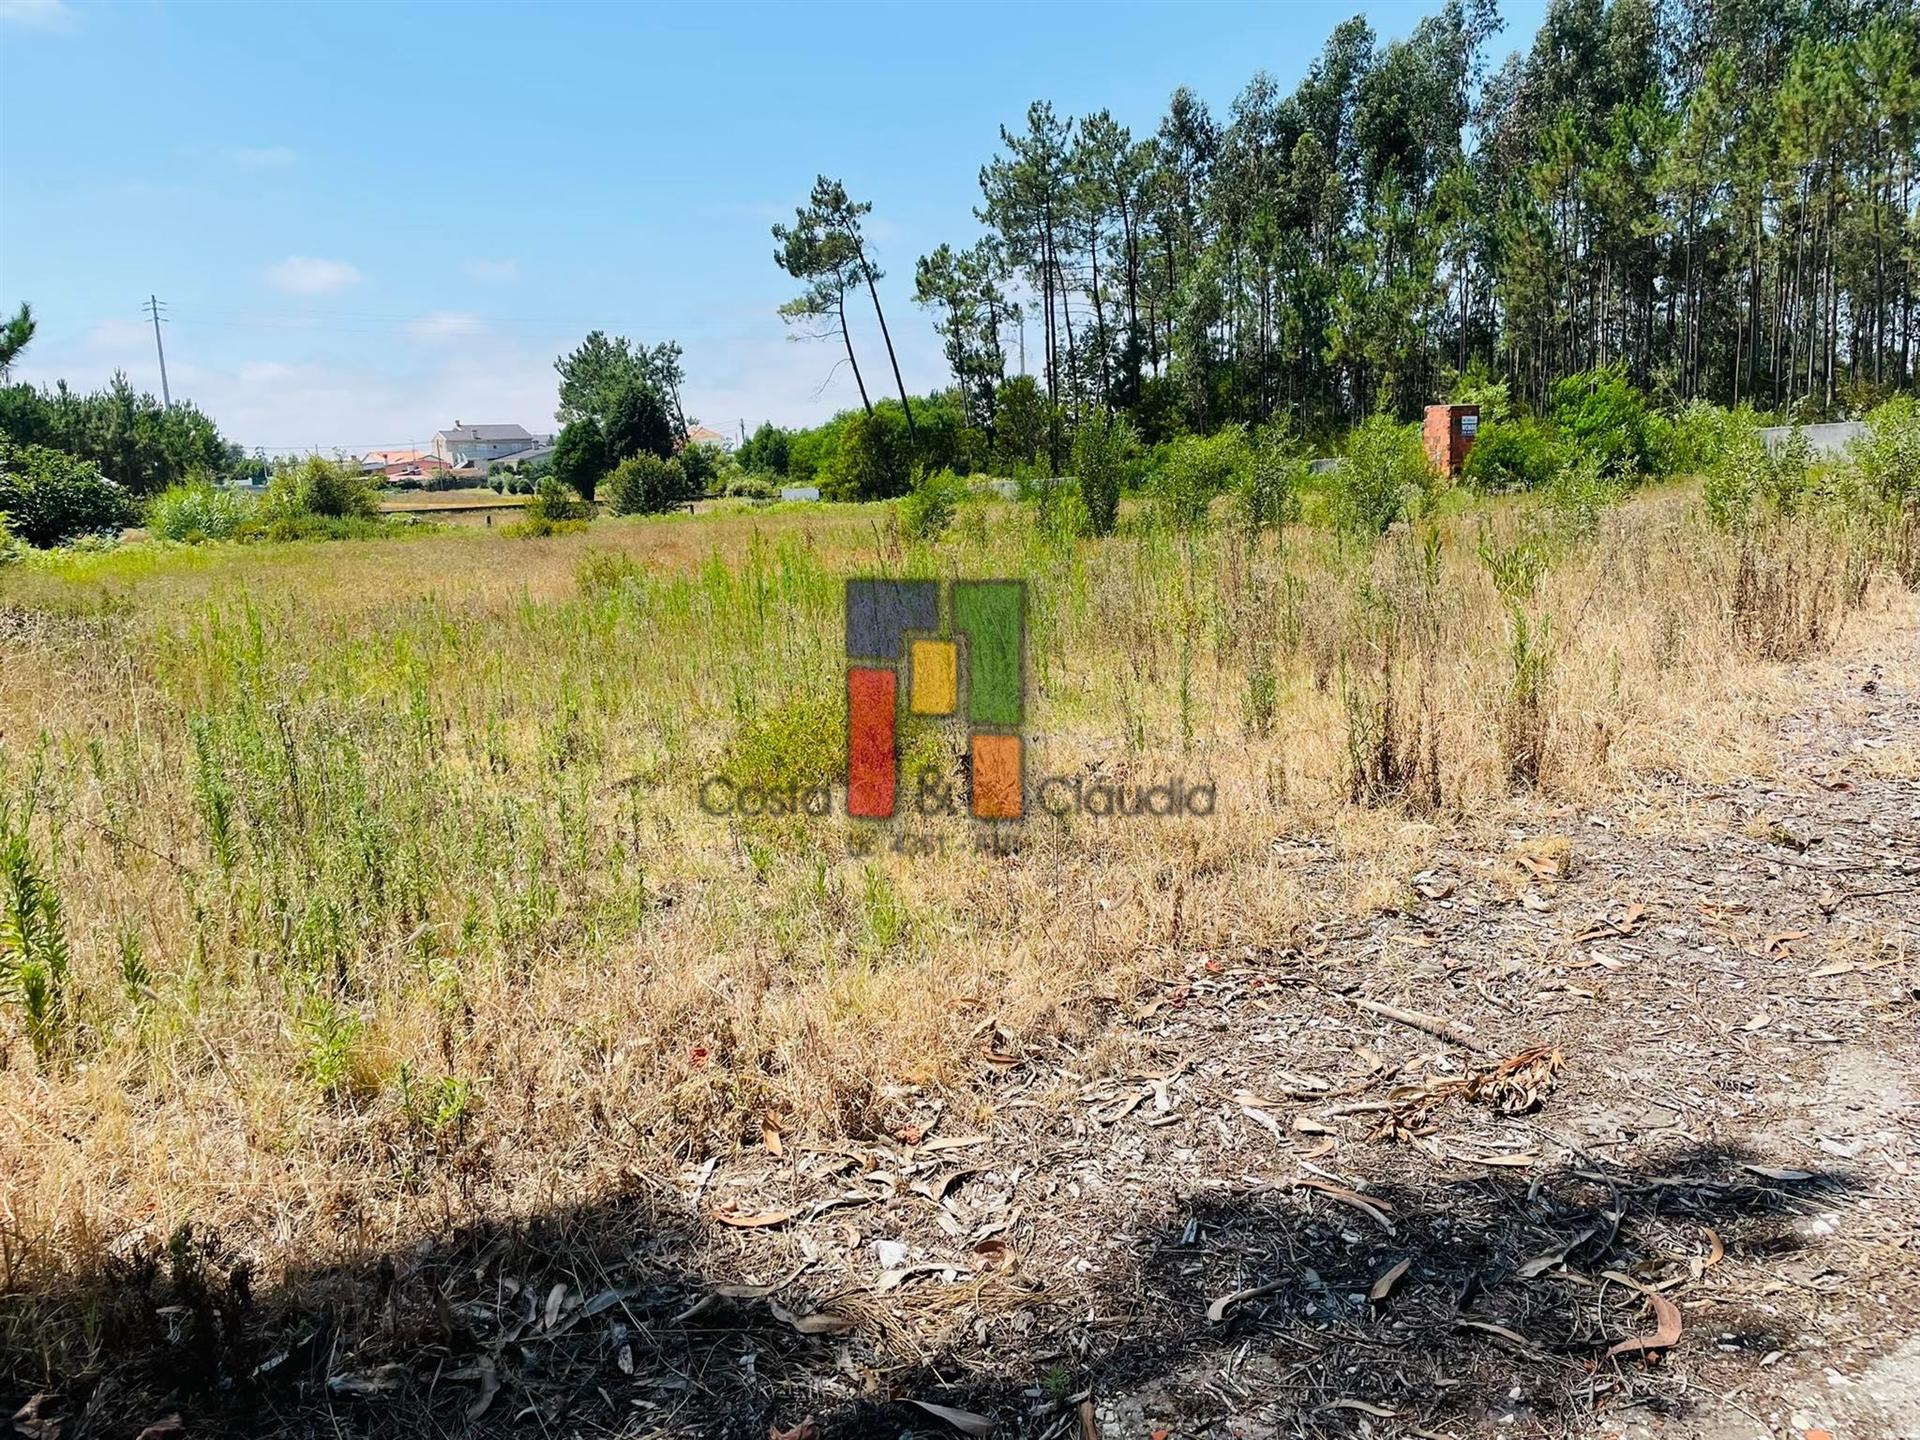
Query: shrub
{"x": 330, "y": 489}
{"x": 1600, "y": 413}
{"x": 1697, "y": 437}
{"x": 1744, "y": 481}
{"x": 1384, "y": 476}
{"x": 9, "y": 547}
{"x": 750, "y": 486}
{"x": 552, "y": 504}
{"x": 49, "y": 496}
{"x": 1195, "y": 468}
{"x": 1889, "y": 453}
{"x": 929, "y": 507}
{"x": 198, "y": 510}
{"x": 1518, "y": 454}
{"x": 1578, "y": 495}
{"x": 646, "y": 485}
{"x": 1105, "y": 449}
{"x": 606, "y": 572}
{"x": 1270, "y": 489}
{"x": 34, "y": 958}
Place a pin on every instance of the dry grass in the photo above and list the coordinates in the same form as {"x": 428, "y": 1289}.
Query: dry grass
{"x": 389, "y": 902}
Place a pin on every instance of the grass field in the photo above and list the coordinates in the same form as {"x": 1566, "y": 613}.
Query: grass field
{"x": 373, "y": 896}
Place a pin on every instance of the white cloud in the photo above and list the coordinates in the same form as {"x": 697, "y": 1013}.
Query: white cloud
{"x": 304, "y": 275}
{"x": 54, "y": 16}
{"x": 493, "y": 272}
{"x": 444, "y": 325}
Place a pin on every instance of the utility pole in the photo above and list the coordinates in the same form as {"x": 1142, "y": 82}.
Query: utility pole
{"x": 153, "y": 307}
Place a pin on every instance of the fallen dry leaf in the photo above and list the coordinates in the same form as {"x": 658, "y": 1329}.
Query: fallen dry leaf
{"x": 384, "y": 1380}
{"x": 1716, "y": 1252}
{"x": 1512, "y": 1336}
{"x": 1516, "y": 1162}
{"x": 1773, "y": 1172}
{"x": 817, "y": 1324}
{"x": 165, "y": 1428}
{"x": 965, "y": 1421}
{"x": 1546, "y": 1260}
{"x": 1217, "y": 1311}
{"x": 754, "y": 1219}
{"x": 1666, "y": 1331}
{"x": 953, "y": 1142}
{"x": 489, "y": 1387}
{"x": 1365, "y": 1407}
{"x": 32, "y": 1421}
{"x": 807, "y": 1429}
{"x": 1383, "y": 1287}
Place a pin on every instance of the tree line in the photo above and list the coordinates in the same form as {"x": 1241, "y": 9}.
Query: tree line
{"x": 1715, "y": 199}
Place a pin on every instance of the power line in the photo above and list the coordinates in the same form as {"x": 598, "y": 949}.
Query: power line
{"x": 153, "y": 307}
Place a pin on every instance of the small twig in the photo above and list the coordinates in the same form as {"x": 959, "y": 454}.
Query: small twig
{"x": 1432, "y": 1024}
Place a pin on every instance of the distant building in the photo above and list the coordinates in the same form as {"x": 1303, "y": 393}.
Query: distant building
{"x": 384, "y": 459}
{"x": 701, "y": 435}
{"x": 476, "y": 447}
{"x": 524, "y": 457}
{"x": 421, "y": 467}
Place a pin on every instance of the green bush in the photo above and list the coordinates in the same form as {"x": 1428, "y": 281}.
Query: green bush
{"x": 1578, "y": 496}
{"x": 1193, "y": 469}
{"x": 1270, "y": 489}
{"x": 1745, "y": 483}
{"x": 334, "y": 490}
{"x": 646, "y": 485}
{"x": 1697, "y": 437}
{"x": 9, "y": 547}
{"x": 929, "y": 507}
{"x": 752, "y": 485}
{"x": 1105, "y": 450}
{"x": 552, "y": 503}
{"x": 49, "y": 496}
{"x": 1520, "y": 454}
{"x": 198, "y": 510}
{"x": 1888, "y": 455}
{"x": 1385, "y": 475}
{"x": 324, "y": 527}
{"x": 1599, "y": 413}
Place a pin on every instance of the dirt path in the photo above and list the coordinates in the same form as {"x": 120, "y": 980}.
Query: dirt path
{"x": 1680, "y": 1090}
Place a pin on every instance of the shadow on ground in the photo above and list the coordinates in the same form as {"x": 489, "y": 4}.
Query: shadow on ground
{"x": 1503, "y": 1309}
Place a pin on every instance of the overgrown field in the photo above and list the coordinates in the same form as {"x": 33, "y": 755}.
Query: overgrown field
{"x": 355, "y": 891}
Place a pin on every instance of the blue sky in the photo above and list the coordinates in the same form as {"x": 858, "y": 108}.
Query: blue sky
{"x": 369, "y": 221}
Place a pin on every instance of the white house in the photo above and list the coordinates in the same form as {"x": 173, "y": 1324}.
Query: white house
{"x": 479, "y": 445}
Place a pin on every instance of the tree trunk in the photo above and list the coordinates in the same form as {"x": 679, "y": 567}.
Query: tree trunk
{"x": 840, "y": 303}
{"x": 892, "y": 359}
